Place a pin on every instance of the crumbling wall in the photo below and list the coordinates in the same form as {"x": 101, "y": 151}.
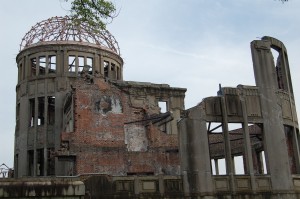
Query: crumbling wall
{"x": 117, "y": 129}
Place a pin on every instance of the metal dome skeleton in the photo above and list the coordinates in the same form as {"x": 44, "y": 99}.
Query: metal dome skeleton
{"x": 63, "y": 29}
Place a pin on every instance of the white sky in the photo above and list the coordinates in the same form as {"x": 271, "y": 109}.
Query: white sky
{"x": 194, "y": 44}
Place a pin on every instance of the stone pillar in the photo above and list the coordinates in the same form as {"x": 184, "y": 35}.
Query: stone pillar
{"x": 194, "y": 149}
{"x": 274, "y": 137}
{"x": 228, "y": 155}
{"x": 247, "y": 144}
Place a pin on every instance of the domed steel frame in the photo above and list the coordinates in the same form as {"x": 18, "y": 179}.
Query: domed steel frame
{"x": 63, "y": 29}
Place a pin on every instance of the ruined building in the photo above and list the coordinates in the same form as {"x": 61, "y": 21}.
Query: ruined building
{"x": 76, "y": 116}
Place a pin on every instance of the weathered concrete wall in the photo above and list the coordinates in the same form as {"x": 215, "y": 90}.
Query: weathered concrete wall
{"x": 267, "y": 139}
{"x": 55, "y": 188}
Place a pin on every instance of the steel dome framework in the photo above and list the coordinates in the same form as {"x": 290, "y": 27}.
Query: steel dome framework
{"x": 63, "y": 29}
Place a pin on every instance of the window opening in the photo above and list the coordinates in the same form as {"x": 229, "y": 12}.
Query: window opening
{"x": 68, "y": 115}
{"x": 222, "y": 166}
{"x": 40, "y": 162}
{"x": 51, "y": 110}
{"x": 30, "y": 162}
{"x": 72, "y": 67}
{"x": 216, "y": 147}
{"x": 33, "y": 66}
{"x": 163, "y": 106}
{"x": 113, "y": 70}
{"x": 118, "y": 73}
{"x": 52, "y": 64}
{"x": 41, "y": 111}
{"x": 263, "y": 162}
{"x": 213, "y": 166}
{"x": 278, "y": 66}
{"x": 106, "y": 65}
{"x": 239, "y": 165}
{"x": 237, "y": 145}
{"x": 80, "y": 64}
{"x": 42, "y": 65}
{"x": 89, "y": 62}
{"x": 51, "y": 162}
{"x": 257, "y": 143}
{"x": 20, "y": 76}
{"x": 31, "y": 112}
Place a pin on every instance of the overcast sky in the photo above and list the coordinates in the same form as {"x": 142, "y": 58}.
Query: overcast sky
{"x": 194, "y": 44}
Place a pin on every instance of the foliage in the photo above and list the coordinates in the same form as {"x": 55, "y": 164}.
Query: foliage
{"x": 96, "y": 13}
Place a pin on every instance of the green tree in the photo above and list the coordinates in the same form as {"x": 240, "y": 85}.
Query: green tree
{"x": 96, "y": 13}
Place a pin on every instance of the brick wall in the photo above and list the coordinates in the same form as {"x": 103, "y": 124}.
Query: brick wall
{"x": 111, "y": 136}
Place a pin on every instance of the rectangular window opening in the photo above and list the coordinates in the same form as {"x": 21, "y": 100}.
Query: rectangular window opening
{"x": 68, "y": 115}
{"x": 80, "y": 64}
{"x": 42, "y": 65}
{"x": 31, "y": 112}
{"x": 263, "y": 165}
{"x": 106, "y": 65}
{"x": 216, "y": 148}
{"x": 222, "y": 166}
{"x": 30, "y": 155}
{"x": 41, "y": 111}
{"x": 118, "y": 73}
{"x": 214, "y": 127}
{"x": 52, "y": 64}
{"x": 89, "y": 63}
{"x": 163, "y": 106}
{"x": 213, "y": 166}
{"x": 33, "y": 66}
{"x": 20, "y": 75}
{"x": 51, "y": 110}
{"x": 239, "y": 165}
{"x": 51, "y": 161}
{"x": 72, "y": 64}
{"x": 40, "y": 162}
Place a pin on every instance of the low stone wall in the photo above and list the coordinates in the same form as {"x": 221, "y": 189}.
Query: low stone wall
{"x": 55, "y": 188}
{"x": 95, "y": 186}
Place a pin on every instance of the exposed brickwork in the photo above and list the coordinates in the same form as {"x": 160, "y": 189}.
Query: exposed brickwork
{"x": 100, "y": 142}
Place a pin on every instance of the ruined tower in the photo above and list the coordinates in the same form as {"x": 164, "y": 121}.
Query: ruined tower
{"x": 52, "y": 56}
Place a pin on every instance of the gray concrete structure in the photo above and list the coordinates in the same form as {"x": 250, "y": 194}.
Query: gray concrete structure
{"x": 266, "y": 138}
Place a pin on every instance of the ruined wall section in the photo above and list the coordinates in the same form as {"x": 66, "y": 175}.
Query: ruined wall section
{"x": 115, "y": 131}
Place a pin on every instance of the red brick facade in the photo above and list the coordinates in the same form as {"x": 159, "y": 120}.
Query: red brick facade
{"x": 113, "y": 136}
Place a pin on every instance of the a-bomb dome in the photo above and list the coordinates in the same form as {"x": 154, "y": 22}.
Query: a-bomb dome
{"x": 57, "y": 29}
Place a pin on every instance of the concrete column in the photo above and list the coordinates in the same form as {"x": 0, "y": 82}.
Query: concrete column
{"x": 21, "y": 140}
{"x": 197, "y": 167}
{"x": 247, "y": 144}
{"x": 35, "y": 132}
{"x": 46, "y": 131}
{"x": 228, "y": 155}
{"x": 183, "y": 153}
{"x": 96, "y": 64}
{"x": 101, "y": 65}
{"x": 276, "y": 151}
{"x": 59, "y": 103}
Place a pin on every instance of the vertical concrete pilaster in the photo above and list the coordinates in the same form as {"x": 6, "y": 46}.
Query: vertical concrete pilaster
{"x": 196, "y": 165}
{"x": 228, "y": 155}
{"x": 276, "y": 151}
